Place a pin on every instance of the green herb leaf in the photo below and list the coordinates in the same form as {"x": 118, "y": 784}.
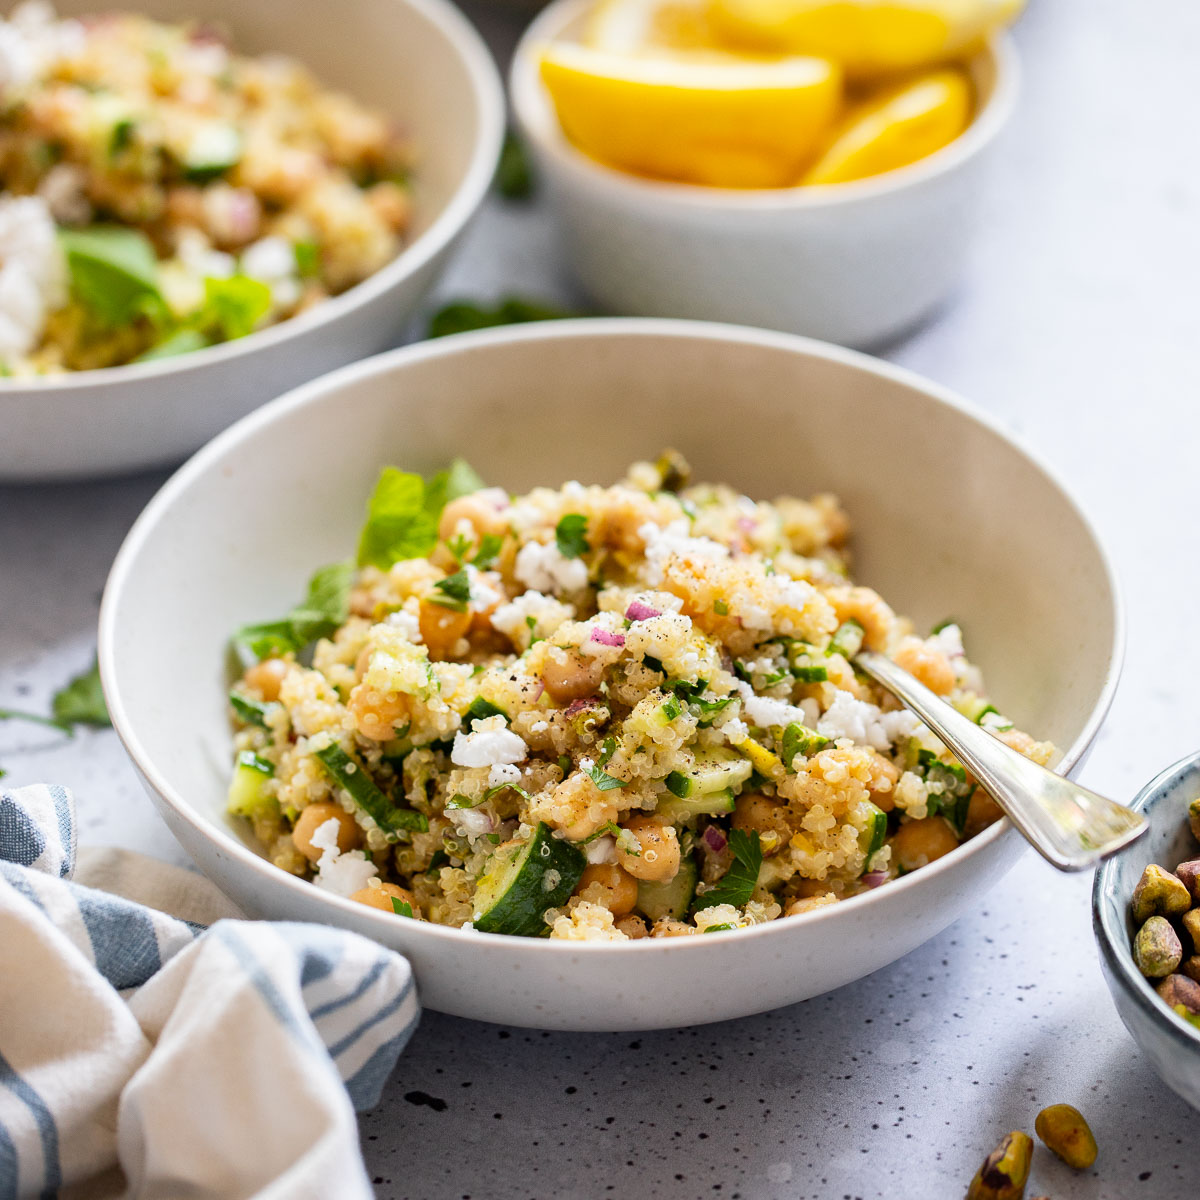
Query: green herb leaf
{"x": 401, "y": 908}
{"x": 456, "y": 591}
{"x": 570, "y": 535}
{"x": 489, "y": 550}
{"x": 720, "y": 608}
{"x": 603, "y": 780}
{"x": 326, "y": 606}
{"x": 459, "y": 479}
{"x": 736, "y": 886}
{"x": 514, "y": 179}
{"x": 182, "y": 341}
{"x": 81, "y": 702}
{"x": 463, "y": 316}
{"x": 233, "y": 307}
{"x": 308, "y": 259}
{"x": 16, "y": 714}
{"x": 113, "y": 273}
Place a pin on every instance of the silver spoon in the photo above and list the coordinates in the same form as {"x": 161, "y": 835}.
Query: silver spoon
{"x": 1069, "y": 826}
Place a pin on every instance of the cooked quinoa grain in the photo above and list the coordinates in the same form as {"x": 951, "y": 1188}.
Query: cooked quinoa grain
{"x": 597, "y": 713}
{"x": 162, "y": 192}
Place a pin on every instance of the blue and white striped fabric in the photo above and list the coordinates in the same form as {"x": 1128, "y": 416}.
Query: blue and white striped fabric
{"x": 142, "y": 1055}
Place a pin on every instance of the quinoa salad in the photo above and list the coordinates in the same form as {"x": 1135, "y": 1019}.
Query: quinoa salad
{"x": 598, "y": 713}
{"x": 162, "y": 193}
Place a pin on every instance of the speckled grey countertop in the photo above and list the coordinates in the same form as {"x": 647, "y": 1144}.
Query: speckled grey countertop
{"x": 1076, "y": 325}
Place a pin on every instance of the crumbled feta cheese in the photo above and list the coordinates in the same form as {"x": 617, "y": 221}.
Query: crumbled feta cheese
{"x": 812, "y": 712}
{"x": 503, "y": 773}
{"x": 546, "y": 569}
{"x": 675, "y": 542}
{"x": 512, "y": 619}
{"x": 32, "y": 272}
{"x": 196, "y": 254}
{"x": 342, "y": 874}
{"x": 483, "y": 594}
{"x": 735, "y": 731}
{"x": 539, "y": 727}
{"x": 602, "y": 850}
{"x": 767, "y": 712}
{"x": 489, "y": 744}
{"x": 271, "y": 260}
{"x": 858, "y": 721}
{"x": 947, "y": 640}
{"x": 408, "y": 623}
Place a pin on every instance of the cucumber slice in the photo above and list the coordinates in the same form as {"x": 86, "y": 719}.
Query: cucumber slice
{"x": 248, "y": 787}
{"x": 214, "y": 149}
{"x": 712, "y": 804}
{"x": 672, "y": 898}
{"x": 252, "y": 712}
{"x": 975, "y": 708}
{"x": 799, "y": 739}
{"x": 522, "y": 881}
{"x": 874, "y": 833}
{"x": 716, "y": 771}
{"x": 346, "y": 772}
{"x": 847, "y": 639}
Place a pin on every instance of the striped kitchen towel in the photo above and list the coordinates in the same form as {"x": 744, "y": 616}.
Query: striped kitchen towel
{"x": 148, "y": 1056}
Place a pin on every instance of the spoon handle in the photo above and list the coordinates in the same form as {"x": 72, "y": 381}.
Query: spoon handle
{"x": 1069, "y": 826}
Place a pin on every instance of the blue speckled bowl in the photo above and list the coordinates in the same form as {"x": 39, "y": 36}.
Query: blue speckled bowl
{"x": 1170, "y": 1042}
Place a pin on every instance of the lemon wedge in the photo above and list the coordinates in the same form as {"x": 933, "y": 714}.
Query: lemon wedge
{"x": 701, "y": 117}
{"x": 901, "y": 125}
{"x": 867, "y": 37}
{"x": 645, "y": 26}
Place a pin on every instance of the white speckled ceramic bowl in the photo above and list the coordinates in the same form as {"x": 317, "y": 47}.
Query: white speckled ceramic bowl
{"x": 855, "y": 263}
{"x": 1170, "y": 1043}
{"x": 421, "y": 62}
{"x": 951, "y": 518}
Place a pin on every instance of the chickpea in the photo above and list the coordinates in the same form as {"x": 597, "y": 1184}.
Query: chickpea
{"x": 931, "y": 667}
{"x": 658, "y": 859}
{"x": 1016, "y": 740}
{"x": 569, "y": 675}
{"x": 312, "y": 818}
{"x": 767, "y": 816}
{"x": 808, "y": 903}
{"x": 382, "y": 896}
{"x": 376, "y": 714}
{"x": 266, "y": 677}
{"x": 483, "y": 517}
{"x": 918, "y": 843}
{"x": 632, "y": 926}
{"x": 882, "y": 784}
{"x": 869, "y": 609}
{"x": 607, "y": 884}
{"x": 982, "y": 811}
{"x": 442, "y": 628}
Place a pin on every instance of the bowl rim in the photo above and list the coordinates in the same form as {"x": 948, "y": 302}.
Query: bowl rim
{"x": 1113, "y": 943}
{"x": 530, "y": 104}
{"x": 486, "y": 93}
{"x": 316, "y": 391}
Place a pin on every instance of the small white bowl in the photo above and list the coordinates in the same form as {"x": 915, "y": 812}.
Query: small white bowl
{"x": 419, "y": 61}
{"x": 950, "y": 517}
{"x": 854, "y": 263}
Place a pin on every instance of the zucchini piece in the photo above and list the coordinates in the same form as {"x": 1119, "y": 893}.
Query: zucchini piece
{"x": 847, "y": 639}
{"x": 874, "y": 833}
{"x": 350, "y": 774}
{"x": 248, "y": 788}
{"x": 716, "y": 771}
{"x": 214, "y": 149}
{"x": 799, "y": 739}
{"x": 250, "y": 712}
{"x": 523, "y": 881}
{"x": 712, "y": 804}
{"x": 672, "y": 898}
{"x": 975, "y": 709}
{"x": 480, "y": 709}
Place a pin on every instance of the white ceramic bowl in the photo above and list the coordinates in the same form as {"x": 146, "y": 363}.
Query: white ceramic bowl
{"x": 855, "y": 263}
{"x": 421, "y": 62}
{"x": 951, "y": 518}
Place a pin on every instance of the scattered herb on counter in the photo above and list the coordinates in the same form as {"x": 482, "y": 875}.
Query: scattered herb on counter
{"x": 462, "y": 316}
{"x": 81, "y": 702}
{"x": 514, "y": 177}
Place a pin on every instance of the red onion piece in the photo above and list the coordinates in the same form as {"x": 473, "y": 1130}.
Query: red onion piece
{"x": 607, "y": 639}
{"x": 874, "y": 879}
{"x": 637, "y": 611}
{"x": 714, "y": 839}
{"x": 577, "y": 706}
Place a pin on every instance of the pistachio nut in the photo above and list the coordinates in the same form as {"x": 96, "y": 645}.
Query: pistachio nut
{"x": 1066, "y": 1132}
{"x": 1157, "y": 949}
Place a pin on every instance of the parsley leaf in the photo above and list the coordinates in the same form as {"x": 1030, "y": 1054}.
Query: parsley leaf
{"x": 455, "y": 589}
{"x": 113, "y": 273}
{"x": 570, "y": 535}
{"x": 326, "y": 606}
{"x": 401, "y": 908}
{"x": 489, "y": 551}
{"x": 402, "y": 514}
{"x": 81, "y": 702}
{"x": 737, "y": 884}
{"x": 234, "y": 306}
{"x": 514, "y": 179}
{"x": 603, "y": 780}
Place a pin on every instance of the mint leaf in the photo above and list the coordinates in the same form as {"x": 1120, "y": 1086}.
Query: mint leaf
{"x": 737, "y": 884}
{"x": 324, "y": 608}
{"x": 233, "y": 307}
{"x": 570, "y": 535}
{"x": 455, "y": 589}
{"x": 401, "y": 908}
{"x": 113, "y": 273}
{"x": 459, "y": 479}
{"x": 81, "y": 702}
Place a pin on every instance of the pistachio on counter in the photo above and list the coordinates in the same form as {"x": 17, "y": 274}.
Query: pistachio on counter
{"x": 1159, "y": 894}
{"x": 1157, "y": 949}
{"x": 1004, "y": 1173}
{"x": 1065, "y": 1131}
